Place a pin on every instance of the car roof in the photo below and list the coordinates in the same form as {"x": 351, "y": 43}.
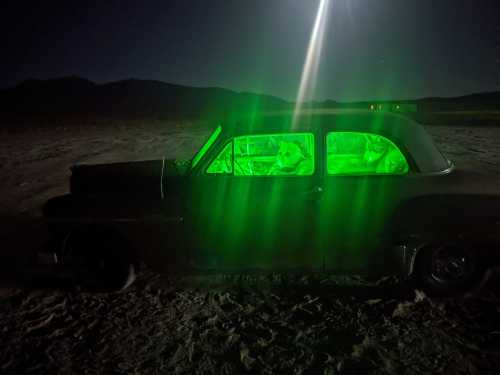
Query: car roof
{"x": 306, "y": 120}
{"x": 402, "y": 130}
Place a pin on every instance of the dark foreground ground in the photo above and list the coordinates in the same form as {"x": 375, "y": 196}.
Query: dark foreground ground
{"x": 291, "y": 324}
{"x": 221, "y": 325}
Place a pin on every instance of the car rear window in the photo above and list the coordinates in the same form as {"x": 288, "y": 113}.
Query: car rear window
{"x": 357, "y": 153}
{"x": 290, "y": 154}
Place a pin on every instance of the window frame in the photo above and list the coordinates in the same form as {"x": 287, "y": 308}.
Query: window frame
{"x": 403, "y": 150}
{"x": 206, "y": 146}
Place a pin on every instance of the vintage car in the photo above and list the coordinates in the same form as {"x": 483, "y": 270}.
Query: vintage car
{"x": 332, "y": 191}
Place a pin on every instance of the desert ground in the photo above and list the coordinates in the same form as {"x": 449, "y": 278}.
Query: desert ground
{"x": 221, "y": 324}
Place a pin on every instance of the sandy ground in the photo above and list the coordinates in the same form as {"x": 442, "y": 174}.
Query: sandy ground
{"x": 279, "y": 324}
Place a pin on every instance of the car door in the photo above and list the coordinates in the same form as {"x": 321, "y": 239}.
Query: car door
{"x": 363, "y": 177}
{"x": 251, "y": 205}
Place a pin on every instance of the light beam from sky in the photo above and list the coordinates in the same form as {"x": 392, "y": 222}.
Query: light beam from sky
{"x": 311, "y": 65}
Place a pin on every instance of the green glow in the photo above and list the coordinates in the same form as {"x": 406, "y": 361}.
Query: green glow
{"x": 274, "y": 155}
{"x": 350, "y": 153}
{"x": 274, "y": 220}
{"x": 203, "y": 150}
{"x": 354, "y": 212}
{"x": 223, "y": 163}
{"x": 267, "y": 155}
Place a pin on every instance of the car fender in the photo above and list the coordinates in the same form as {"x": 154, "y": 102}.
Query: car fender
{"x": 152, "y": 235}
{"x": 471, "y": 219}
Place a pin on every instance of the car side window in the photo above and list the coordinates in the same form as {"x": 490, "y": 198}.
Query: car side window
{"x": 223, "y": 163}
{"x": 287, "y": 154}
{"x": 356, "y": 153}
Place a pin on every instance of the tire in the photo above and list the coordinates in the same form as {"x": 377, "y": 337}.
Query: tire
{"x": 100, "y": 259}
{"x": 448, "y": 268}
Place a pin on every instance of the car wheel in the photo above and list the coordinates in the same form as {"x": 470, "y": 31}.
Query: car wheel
{"x": 448, "y": 268}
{"x": 100, "y": 260}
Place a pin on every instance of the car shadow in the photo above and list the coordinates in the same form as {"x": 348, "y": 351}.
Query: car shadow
{"x": 313, "y": 283}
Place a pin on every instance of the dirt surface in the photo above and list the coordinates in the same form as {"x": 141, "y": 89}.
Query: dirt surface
{"x": 289, "y": 326}
{"x": 218, "y": 324}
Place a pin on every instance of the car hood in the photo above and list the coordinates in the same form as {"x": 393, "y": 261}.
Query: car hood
{"x": 140, "y": 179}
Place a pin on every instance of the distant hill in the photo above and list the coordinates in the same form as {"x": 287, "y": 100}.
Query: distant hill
{"x": 142, "y": 98}
{"x": 489, "y": 101}
{"x": 128, "y": 98}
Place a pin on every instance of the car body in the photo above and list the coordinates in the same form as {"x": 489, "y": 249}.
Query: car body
{"x": 343, "y": 191}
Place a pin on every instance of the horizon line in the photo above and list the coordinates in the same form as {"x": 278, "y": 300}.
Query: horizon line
{"x": 101, "y": 83}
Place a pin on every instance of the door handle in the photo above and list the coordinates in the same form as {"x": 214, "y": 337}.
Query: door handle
{"x": 315, "y": 192}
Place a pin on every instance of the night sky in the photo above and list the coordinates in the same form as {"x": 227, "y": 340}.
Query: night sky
{"x": 374, "y": 49}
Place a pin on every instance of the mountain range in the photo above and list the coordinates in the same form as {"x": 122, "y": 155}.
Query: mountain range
{"x": 145, "y": 98}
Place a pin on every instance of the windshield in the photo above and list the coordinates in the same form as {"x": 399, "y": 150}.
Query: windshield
{"x": 206, "y": 146}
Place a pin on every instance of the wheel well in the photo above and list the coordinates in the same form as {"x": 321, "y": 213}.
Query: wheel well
{"x": 87, "y": 235}
{"x": 485, "y": 246}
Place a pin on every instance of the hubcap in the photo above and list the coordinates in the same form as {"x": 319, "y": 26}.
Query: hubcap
{"x": 451, "y": 265}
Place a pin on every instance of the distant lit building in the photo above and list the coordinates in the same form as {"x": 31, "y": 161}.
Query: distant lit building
{"x": 394, "y": 107}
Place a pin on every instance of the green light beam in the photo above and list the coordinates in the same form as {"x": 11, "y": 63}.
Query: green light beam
{"x": 311, "y": 64}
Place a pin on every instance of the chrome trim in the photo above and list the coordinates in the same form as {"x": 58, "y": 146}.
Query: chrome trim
{"x": 161, "y": 177}
{"x": 444, "y": 172}
{"x": 177, "y": 219}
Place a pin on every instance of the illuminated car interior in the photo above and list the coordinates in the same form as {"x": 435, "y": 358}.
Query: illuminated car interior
{"x": 292, "y": 154}
{"x": 363, "y": 153}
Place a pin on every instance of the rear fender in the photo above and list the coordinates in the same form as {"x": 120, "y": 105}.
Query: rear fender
{"x": 471, "y": 219}
{"x": 486, "y": 243}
